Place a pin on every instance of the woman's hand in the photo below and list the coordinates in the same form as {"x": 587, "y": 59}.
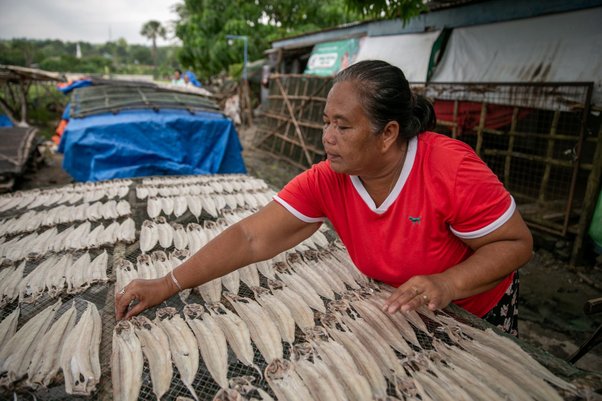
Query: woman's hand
{"x": 142, "y": 294}
{"x": 433, "y": 291}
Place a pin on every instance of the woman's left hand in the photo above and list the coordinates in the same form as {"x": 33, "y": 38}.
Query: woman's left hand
{"x": 433, "y": 291}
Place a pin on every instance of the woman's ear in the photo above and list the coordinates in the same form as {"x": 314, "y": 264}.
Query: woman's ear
{"x": 389, "y": 135}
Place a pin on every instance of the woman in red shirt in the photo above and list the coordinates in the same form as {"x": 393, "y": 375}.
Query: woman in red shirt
{"x": 415, "y": 209}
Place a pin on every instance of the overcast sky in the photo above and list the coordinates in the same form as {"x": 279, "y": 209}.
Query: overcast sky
{"x": 95, "y": 21}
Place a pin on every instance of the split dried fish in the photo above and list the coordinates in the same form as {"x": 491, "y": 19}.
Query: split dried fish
{"x": 8, "y": 327}
{"x": 364, "y": 359}
{"x": 301, "y": 312}
{"x": 285, "y": 382}
{"x": 16, "y": 355}
{"x": 10, "y": 284}
{"x": 127, "y": 231}
{"x": 126, "y": 363}
{"x": 180, "y": 237}
{"x": 153, "y": 207}
{"x": 338, "y": 359}
{"x": 279, "y": 313}
{"x": 155, "y": 346}
{"x": 180, "y": 206}
{"x": 80, "y": 359}
{"x": 316, "y": 280}
{"x": 299, "y": 285}
{"x": 211, "y": 342}
{"x": 236, "y": 332}
{"x": 263, "y": 331}
{"x": 166, "y": 232}
{"x": 320, "y": 381}
{"x": 149, "y": 236}
{"x": 249, "y": 275}
{"x": 45, "y": 363}
{"x": 182, "y": 343}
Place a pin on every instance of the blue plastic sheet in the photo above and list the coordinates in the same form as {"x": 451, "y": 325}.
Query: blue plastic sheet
{"x": 5, "y": 121}
{"x": 80, "y": 83}
{"x": 144, "y": 142}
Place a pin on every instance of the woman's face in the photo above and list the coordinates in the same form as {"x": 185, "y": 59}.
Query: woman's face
{"x": 348, "y": 138}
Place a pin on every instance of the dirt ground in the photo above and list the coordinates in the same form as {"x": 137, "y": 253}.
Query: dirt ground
{"x": 552, "y": 293}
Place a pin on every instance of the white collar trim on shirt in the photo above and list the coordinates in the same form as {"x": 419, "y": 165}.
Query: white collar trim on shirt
{"x": 403, "y": 177}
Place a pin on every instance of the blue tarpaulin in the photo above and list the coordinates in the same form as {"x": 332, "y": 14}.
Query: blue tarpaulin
{"x": 69, "y": 86}
{"x": 5, "y": 121}
{"x": 144, "y": 142}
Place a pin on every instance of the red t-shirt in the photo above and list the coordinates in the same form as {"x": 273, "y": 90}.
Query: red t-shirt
{"x": 444, "y": 192}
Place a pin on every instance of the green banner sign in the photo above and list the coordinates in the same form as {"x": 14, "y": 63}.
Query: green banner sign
{"x": 331, "y": 57}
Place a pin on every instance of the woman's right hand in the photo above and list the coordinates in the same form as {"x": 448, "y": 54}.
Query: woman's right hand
{"x": 140, "y": 294}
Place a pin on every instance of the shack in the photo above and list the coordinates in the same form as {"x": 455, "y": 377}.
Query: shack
{"x": 521, "y": 84}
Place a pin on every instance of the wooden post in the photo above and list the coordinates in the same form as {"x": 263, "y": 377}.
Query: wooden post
{"x": 455, "y": 120}
{"x": 296, "y": 124}
{"x": 549, "y": 155}
{"x": 480, "y": 129}
{"x": 508, "y": 159}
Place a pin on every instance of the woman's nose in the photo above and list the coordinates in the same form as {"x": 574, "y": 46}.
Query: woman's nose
{"x": 327, "y": 136}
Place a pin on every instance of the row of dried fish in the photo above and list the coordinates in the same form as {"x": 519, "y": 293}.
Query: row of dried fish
{"x": 197, "y": 186}
{"x": 202, "y": 334}
{"x": 41, "y": 347}
{"x": 194, "y": 236}
{"x": 75, "y": 237}
{"x": 32, "y": 220}
{"x": 213, "y": 204}
{"x": 54, "y": 276}
{"x": 88, "y": 193}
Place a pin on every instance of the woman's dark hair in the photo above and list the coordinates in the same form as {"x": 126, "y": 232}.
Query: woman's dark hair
{"x": 386, "y": 96}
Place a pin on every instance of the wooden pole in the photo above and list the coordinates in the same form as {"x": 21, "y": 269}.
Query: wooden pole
{"x": 508, "y": 159}
{"x": 549, "y": 155}
{"x": 297, "y": 128}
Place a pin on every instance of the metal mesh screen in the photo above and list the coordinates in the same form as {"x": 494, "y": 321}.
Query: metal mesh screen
{"x": 102, "y": 295}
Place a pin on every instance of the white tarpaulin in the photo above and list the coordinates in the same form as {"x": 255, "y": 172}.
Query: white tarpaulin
{"x": 410, "y": 52}
{"x": 563, "y": 47}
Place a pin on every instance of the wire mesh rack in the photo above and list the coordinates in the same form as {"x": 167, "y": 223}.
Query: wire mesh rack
{"x": 102, "y": 296}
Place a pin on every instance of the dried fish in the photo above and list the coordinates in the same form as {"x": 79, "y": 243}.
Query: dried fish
{"x": 263, "y": 331}
{"x": 153, "y": 207}
{"x": 16, "y": 355}
{"x": 211, "y": 342}
{"x": 249, "y": 275}
{"x": 232, "y": 281}
{"x": 126, "y": 363}
{"x": 166, "y": 232}
{"x": 301, "y": 312}
{"x": 167, "y": 205}
{"x": 182, "y": 343}
{"x": 10, "y": 286}
{"x": 180, "y": 206}
{"x": 195, "y": 205}
{"x": 299, "y": 285}
{"x": 338, "y": 359}
{"x": 319, "y": 380}
{"x": 363, "y": 358}
{"x": 278, "y": 312}
{"x": 127, "y": 231}
{"x": 155, "y": 346}
{"x": 211, "y": 291}
{"x": 80, "y": 360}
{"x": 380, "y": 321}
{"x": 45, "y": 363}
{"x": 8, "y": 327}
{"x": 316, "y": 281}
{"x": 180, "y": 238}
{"x": 236, "y": 332}
{"x": 149, "y": 236}
{"x": 285, "y": 382}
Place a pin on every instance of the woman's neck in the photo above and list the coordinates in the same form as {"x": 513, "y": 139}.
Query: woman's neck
{"x": 380, "y": 185}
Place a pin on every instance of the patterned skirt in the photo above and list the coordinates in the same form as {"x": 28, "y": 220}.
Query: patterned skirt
{"x": 504, "y": 315}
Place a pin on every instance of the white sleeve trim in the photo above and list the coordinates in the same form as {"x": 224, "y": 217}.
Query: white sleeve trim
{"x": 298, "y": 214}
{"x": 489, "y": 228}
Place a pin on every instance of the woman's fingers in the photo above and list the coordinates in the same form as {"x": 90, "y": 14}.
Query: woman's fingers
{"x": 418, "y": 291}
{"x": 139, "y": 295}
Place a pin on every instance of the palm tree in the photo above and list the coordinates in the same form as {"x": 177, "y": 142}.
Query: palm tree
{"x": 153, "y": 29}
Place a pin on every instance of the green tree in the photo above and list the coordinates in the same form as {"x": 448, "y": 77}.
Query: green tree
{"x": 153, "y": 30}
{"x": 381, "y": 9}
{"x": 202, "y": 25}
